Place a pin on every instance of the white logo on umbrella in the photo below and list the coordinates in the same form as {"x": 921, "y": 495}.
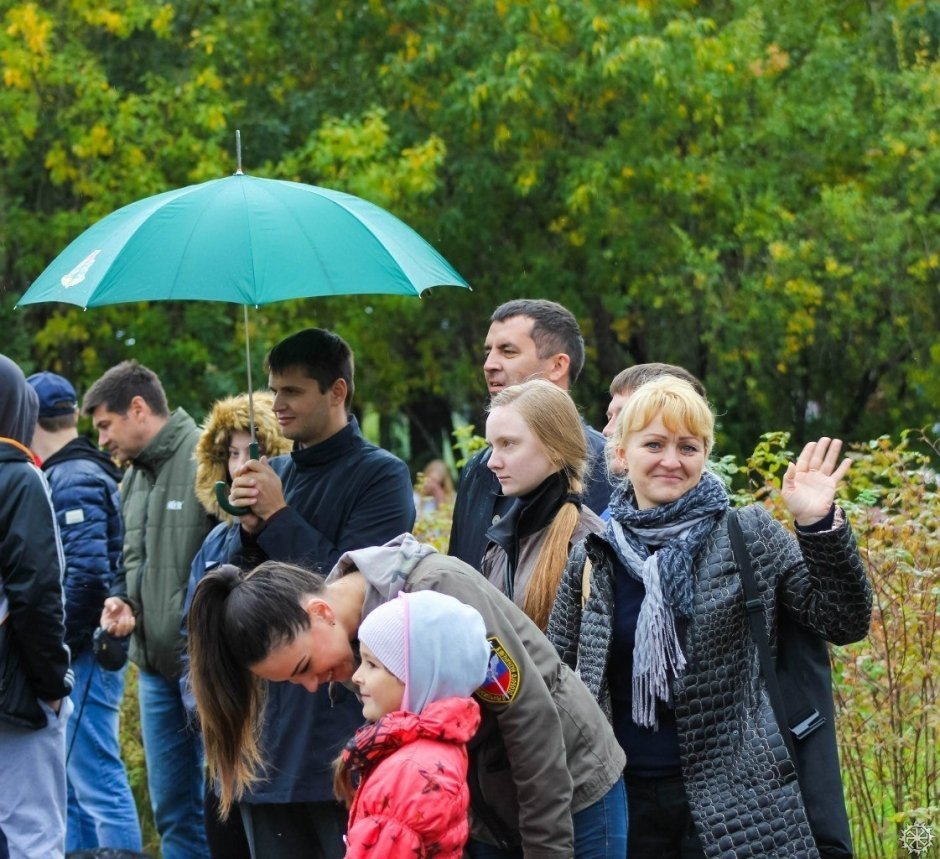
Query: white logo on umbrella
{"x": 77, "y": 274}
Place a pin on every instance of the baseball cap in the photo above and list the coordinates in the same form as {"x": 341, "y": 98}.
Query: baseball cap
{"x": 56, "y": 394}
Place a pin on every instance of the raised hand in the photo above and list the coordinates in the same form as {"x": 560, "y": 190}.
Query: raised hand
{"x": 809, "y": 486}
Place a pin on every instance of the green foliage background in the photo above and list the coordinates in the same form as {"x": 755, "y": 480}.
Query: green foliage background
{"x": 747, "y": 188}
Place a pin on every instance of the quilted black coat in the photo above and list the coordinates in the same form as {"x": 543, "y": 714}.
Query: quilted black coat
{"x": 741, "y": 784}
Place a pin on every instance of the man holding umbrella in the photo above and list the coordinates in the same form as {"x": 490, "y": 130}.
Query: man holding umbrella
{"x": 333, "y": 493}
{"x": 164, "y": 527}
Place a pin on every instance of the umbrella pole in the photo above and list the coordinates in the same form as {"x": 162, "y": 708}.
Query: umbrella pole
{"x": 221, "y": 487}
{"x": 251, "y": 407}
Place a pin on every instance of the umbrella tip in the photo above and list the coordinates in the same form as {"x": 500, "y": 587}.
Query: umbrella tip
{"x": 238, "y": 152}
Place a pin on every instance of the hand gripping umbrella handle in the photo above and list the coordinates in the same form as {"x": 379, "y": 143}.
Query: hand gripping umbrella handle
{"x": 221, "y": 488}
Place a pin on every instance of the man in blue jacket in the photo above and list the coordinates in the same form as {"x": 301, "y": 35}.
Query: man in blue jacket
{"x": 334, "y": 492}
{"x": 35, "y": 679}
{"x": 84, "y": 483}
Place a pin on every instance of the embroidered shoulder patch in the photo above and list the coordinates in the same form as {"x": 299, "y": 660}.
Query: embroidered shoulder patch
{"x": 502, "y": 676}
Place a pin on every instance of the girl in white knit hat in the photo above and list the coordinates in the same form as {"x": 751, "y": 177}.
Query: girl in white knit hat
{"x": 404, "y": 775}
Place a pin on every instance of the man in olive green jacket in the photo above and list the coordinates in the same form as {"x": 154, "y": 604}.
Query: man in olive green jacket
{"x": 164, "y": 526}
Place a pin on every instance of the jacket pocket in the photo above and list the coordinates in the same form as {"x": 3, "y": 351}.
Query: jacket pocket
{"x": 18, "y": 703}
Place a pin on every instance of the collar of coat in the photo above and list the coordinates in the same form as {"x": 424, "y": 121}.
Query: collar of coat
{"x": 20, "y": 447}
{"x": 166, "y": 442}
{"x": 336, "y": 446}
{"x": 530, "y": 512}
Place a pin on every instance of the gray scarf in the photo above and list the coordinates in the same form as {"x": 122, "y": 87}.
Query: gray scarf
{"x": 677, "y": 531}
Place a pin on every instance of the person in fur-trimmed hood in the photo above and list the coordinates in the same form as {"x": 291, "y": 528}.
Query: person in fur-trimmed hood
{"x": 222, "y": 448}
{"x": 226, "y": 429}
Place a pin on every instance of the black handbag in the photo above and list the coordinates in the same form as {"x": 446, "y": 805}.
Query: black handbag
{"x": 803, "y": 678}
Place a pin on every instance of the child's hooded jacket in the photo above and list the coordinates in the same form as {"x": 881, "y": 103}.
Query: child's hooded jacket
{"x": 413, "y": 799}
{"x": 411, "y": 764}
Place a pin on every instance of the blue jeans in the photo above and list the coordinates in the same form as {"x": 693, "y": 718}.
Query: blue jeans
{"x": 174, "y": 755}
{"x": 101, "y": 809}
{"x": 600, "y": 831}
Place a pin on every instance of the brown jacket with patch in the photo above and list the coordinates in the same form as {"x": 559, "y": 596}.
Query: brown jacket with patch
{"x": 544, "y": 750}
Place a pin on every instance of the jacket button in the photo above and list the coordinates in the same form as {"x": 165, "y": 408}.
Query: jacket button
{"x": 496, "y": 519}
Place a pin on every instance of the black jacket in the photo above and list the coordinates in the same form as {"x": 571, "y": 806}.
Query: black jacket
{"x": 342, "y": 494}
{"x": 34, "y": 661}
{"x": 481, "y": 504}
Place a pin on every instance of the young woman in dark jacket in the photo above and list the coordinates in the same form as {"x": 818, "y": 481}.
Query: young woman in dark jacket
{"x": 539, "y": 456}
{"x": 658, "y": 631}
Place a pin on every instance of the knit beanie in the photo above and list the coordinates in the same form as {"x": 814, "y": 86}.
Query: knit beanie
{"x": 430, "y": 641}
{"x": 383, "y": 632}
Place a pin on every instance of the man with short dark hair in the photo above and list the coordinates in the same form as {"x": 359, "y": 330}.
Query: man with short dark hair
{"x": 164, "y": 528}
{"x": 84, "y": 483}
{"x": 527, "y": 339}
{"x": 628, "y": 380}
{"x": 334, "y": 492}
{"x": 35, "y": 680}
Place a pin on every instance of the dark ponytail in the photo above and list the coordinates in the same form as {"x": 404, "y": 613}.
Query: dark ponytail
{"x": 236, "y": 619}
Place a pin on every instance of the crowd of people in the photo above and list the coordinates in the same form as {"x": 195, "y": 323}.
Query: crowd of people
{"x": 576, "y": 677}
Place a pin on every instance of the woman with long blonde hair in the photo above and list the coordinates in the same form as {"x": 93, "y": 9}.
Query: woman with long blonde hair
{"x": 539, "y": 456}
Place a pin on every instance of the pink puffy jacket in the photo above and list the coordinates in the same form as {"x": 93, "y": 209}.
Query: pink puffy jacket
{"x": 413, "y": 798}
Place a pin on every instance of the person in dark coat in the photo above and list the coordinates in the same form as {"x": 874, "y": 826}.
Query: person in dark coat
{"x": 527, "y": 339}
{"x": 84, "y": 483}
{"x": 35, "y": 678}
{"x": 652, "y": 614}
{"x": 334, "y": 492}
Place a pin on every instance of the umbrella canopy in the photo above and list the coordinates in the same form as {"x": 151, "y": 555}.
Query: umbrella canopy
{"x": 245, "y": 240}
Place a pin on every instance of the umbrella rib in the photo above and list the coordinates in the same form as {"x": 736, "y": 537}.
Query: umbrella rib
{"x": 368, "y": 228}
{"x": 167, "y": 198}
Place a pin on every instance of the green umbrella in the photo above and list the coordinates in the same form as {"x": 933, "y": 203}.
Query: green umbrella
{"x": 245, "y": 240}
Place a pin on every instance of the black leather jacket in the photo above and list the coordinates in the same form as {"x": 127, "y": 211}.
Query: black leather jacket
{"x": 741, "y": 784}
